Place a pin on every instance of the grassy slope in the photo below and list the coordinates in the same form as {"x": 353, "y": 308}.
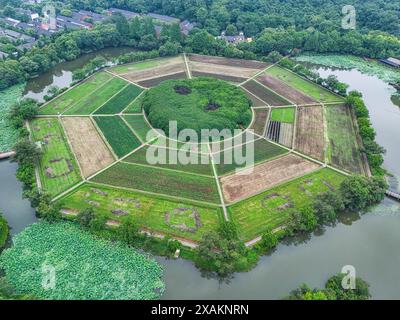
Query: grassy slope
{"x": 56, "y": 148}
{"x": 283, "y": 115}
{"x": 118, "y": 135}
{"x": 120, "y": 101}
{"x": 256, "y": 215}
{"x": 66, "y": 100}
{"x": 140, "y": 126}
{"x": 343, "y": 150}
{"x": 161, "y": 181}
{"x": 149, "y": 211}
{"x": 303, "y": 85}
{"x": 90, "y": 103}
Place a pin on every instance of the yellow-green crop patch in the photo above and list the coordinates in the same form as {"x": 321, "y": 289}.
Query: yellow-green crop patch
{"x": 303, "y": 85}
{"x": 73, "y": 96}
{"x": 170, "y": 217}
{"x": 58, "y": 169}
{"x": 285, "y": 115}
{"x": 271, "y": 209}
{"x": 126, "y": 68}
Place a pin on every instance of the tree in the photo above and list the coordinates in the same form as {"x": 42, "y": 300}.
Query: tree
{"x": 327, "y": 205}
{"x": 86, "y": 217}
{"x": 48, "y": 211}
{"x": 303, "y": 220}
{"x": 273, "y": 57}
{"x": 26, "y": 152}
{"x": 128, "y": 231}
{"x": 170, "y": 49}
{"x": 361, "y": 292}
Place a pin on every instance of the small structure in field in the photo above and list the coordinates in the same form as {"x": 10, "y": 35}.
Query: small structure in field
{"x": 393, "y": 62}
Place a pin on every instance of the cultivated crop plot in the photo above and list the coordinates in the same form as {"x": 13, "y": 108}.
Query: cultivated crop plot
{"x": 58, "y": 168}
{"x": 161, "y": 181}
{"x": 280, "y": 126}
{"x": 310, "y": 135}
{"x": 303, "y": 85}
{"x": 285, "y": 90}
{"x": 343, "y": 150}
{"x": 265, "y": 94}
{"x": 260, "y": 120}
{"x": 118, "y": 135}
{"x": 89, "y": 148}
{"x": 178, "y": 187}
{"x": 170, "y": 217}
{"x": 73, "y": 96}
{"x": 152, "y": 69}
{"x": 271, "y": 209}
{"x": 264, "y": 176}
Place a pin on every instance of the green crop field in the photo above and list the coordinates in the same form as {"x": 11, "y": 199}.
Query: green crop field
{"x": 120, "y": 101}
{"x": 150, "y": 212}
{"x": 73, "y": 96}
{"x": 135, "y": 106}
{"x": 126, "y": 68}
{"x": 263, "y": 151}
{"x": 160, "y": 181}
{"x": 140, "y": 126}
{"x": 265, "y": 94}
{"x": 303, "y": 85}
{"x": 58, "y": 168}
{"x": 286, "y": 115}
{"x": 271, "y": 209}
{"x": 143, "y": 155}
{"x": 118, "y": 135}
{"x": 90, "y": 103}
{"x": 343, "y": 150}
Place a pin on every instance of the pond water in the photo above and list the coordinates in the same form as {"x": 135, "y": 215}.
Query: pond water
{"x": 369, "y": 243}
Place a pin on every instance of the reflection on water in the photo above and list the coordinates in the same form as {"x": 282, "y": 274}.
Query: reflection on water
{"x": 61, "y": 75}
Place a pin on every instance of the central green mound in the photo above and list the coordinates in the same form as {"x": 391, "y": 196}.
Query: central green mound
{"x": 201, "y": 103}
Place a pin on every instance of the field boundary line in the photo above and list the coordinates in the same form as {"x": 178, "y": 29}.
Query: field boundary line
{"x": 37, "y": 176}
{"x": 161, "y": 76}
{"x": 133, "y": 101}
{"x": 273, "y": 91}
{"x": 62, "y": 194}
{"x": 189, "y": 73}
{"x": 114, "y": 95}
{"x": 71, "y": 148}
{"x": 130, "y": 128}
{"x": 173, "y": 149}
{"x": 127, "y": 80}
{"x": 261, "y": 72}
{"x": 167, "y": 169}
{"x": 156, "y": 194}
{"x": 79, "y": 100}
{"x": 266, "y": 104}
{"x": 221, "y": 196}
{"x": 267, "y": 122}
{"x": 261, "y": 107}
{"x": 238, "y": 145}
{"x": 296, "y": 113}
{"x": 69, "y": 89}
{"x": 103, "y": 137}
{"x": 254, "y": 241}
{"x": 326, "y": 149}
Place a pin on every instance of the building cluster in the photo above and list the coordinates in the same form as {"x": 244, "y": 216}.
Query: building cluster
{"x": 234, "y": 39}
{"x": 82, "y": 19}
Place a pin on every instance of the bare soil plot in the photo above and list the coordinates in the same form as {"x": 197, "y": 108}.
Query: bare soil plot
{"x": 252, "y": 64}
{"x": 219, "y": 76}
{"x": 310, "y": 137}
{"x": 156, "y": 81}
{"x": 222, "y": 69}
{"x": 264, "y": 94}
{"x": 170, "y": 66}
{"x": 264, "y": 176}
{"x": 285, "y": 90}
{"x": 260, "y": 121}
{"x": 255, "y": 101}
{"x": 280, "y": 132}
{"x": 89, "y": 148}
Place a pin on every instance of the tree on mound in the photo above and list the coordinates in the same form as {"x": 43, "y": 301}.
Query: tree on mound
{"x": 61, "y": 261}
{"x": 201, "y": 103}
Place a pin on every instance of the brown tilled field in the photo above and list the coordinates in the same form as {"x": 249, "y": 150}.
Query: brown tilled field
{"x": 251, "y": 64}
{"x": 222, "y": 69}
{"x": 89, "y": 148}
{"x": 156, "y": 81}
{"x": 255, "y": 101}
{"x": 310, "y": 137}
{"x": 260, "y": 121}
{"x": 284, "y": 90}
{"x": 174, "y": 65}
{"x": 219, "y": 76}
{"x": 265, "y": 176}
{"x": 264, "y": 94}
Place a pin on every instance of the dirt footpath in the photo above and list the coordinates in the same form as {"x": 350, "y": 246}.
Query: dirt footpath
{"x": 89, "y": 148}
{"x": 310, "y": 137}
{"x": 222, "y": 69}
{"x": 285, "y": 90}
{"x": 265, "y": 176}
